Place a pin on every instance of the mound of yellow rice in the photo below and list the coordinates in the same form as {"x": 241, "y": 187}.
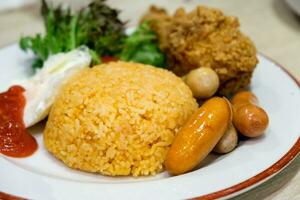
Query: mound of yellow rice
{"x": 118, "y": 119}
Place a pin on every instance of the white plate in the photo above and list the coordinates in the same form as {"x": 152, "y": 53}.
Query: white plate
{"x": 41, "y": 176}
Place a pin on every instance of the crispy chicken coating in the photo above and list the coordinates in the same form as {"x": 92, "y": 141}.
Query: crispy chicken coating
{"x": 205, "y": 37}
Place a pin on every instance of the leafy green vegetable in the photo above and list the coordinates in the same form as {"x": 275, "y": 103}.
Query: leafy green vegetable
{"x": 96, "y": 26}
{"x": 142, "y": 47}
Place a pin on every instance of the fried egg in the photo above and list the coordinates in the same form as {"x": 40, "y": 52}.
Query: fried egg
{"x": 41, "y": 89}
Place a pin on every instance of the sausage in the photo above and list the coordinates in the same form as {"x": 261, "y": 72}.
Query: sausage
{"x": 199, "y": 135}
{"x": 248, "y": 117}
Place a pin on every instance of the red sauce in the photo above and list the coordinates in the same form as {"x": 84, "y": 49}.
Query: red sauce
{"x": 106, "y": 59}
{"x": 15, "y": 141}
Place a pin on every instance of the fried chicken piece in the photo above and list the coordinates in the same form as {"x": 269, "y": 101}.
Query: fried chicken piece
{"x": 160, "y": 22}
{"x": 205, "y": 37}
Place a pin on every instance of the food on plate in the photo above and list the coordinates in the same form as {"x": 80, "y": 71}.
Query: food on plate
{"x": 125, "y": 118}
{"x": 197, "y": 138}
{"x": 204, "y": 82}
{"x": 98, "y": 27}
{"x": 142, "y": 47}
{"x": 228, "y": 141}
{"x": 118, "y": 118}
{"x": 28, "y": 102}
{"x": 41, "y": 89}
{"x": 205, "y": 37}
{"x": 249, "y": 118}
{"x": 15, "y": 141}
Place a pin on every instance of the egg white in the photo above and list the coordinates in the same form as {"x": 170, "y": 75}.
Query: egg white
{"x": 41, "y": 90}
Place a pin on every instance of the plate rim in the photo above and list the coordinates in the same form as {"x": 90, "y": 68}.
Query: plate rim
{"x": 259, "y": 178}
{"x": 270, "y": 171}
{"x": 246, "y": 185}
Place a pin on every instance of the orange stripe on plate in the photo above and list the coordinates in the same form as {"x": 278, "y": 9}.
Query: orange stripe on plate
{"x": 4, "y": 196}
{"x": 288, "y": 157}
{"x": 292, "y": 153}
